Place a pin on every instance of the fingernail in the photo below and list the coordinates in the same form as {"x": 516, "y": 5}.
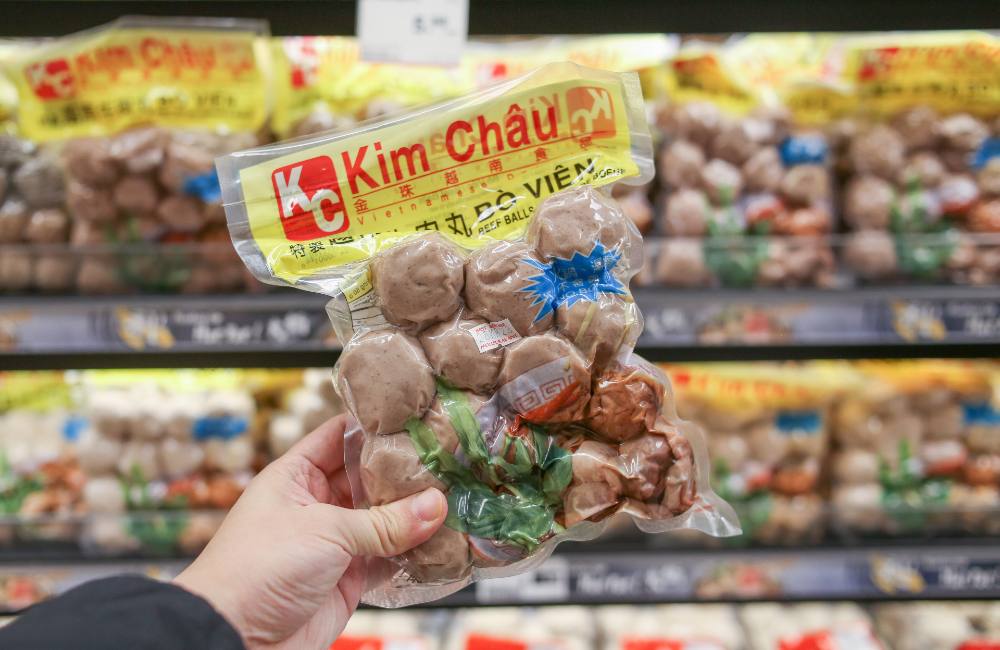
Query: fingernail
{"x": 427, "y": 505}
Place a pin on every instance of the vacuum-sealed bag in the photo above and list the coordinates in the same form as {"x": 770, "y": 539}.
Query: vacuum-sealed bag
{"x": 479, "y": 277}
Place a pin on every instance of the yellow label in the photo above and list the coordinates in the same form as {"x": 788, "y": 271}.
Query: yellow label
{"x": 473, "y": 170}
{"x": 33, "y": 391}
{"x": 488, "y": 62}
{"x": 703, "y": 75}
{"x": 359, "y": 287}
{"x": 739, "y": 386}
{"x": 947, "y": 71}
{"x": 100, "y": 82}
{"x": 326, "y": 73}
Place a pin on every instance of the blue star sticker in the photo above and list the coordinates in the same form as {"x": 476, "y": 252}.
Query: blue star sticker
{"x": 566, "y": 281}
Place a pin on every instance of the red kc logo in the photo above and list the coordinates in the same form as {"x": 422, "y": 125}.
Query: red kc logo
{"x": 591, "y": 112}
{"x": 309, "y": 199}
{"x": 51, "y": 79}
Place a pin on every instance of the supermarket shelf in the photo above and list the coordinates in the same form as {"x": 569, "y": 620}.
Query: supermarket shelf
{"x": 959, "y": 570}
{"x": 291, "y": 329}
{"x": 300, "y": 17}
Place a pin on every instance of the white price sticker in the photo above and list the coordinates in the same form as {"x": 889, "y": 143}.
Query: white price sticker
{"x": 490, "y": 336}
{"x": 420, "y": 32}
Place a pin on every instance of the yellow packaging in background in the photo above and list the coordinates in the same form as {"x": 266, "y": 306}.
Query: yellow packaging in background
{"x": 326, "y": 74}
{"x": 701, "y": 72}
{"x": 948, "y": 71}
{"x": 8, "y": 91}
{"x": 172, "y": 72}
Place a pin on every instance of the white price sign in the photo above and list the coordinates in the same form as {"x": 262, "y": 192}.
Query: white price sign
{"x": 428, "y": 32}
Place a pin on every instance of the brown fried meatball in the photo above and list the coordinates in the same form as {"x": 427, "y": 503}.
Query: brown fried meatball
{"x": 962, "y": 132}
{"x": 871, "y": 254}
{"x": 625, "y": 403}
{"x": 806, "y": 184}
{"x": 918, "y": 127}
{"x": 644, "y": 462}
{"x": 681, "y": 263}
{"x": 598, "y": 328}
{"x": 498, "y": 282}
{"x": 680, "y": 485}
{"x": 595, "y": 462}
{"x": 545, "y": 379}
{"x": 721, "y": 181}
{"x": 139, "y": 150}
{"x": 584, "y": 501}
{"x": 13, "y": 220}
{"x": 419, "y": 281}
{"x": 48, "y": 226}
{"x": 574, "y": 221}
{"x": 180, "y": 213}
{"x": 680, "y": 164}
{"x": 444, "y": 558}
{"x": 878, "y": 151}
{"x": 763, "y": 171}
{"x": 391, "y": 469}
{"x": 868, "y": 203}
{"x": 89, "y": 161}
{"x": 137, "y": 194}
{"x": 454, "y": 354}
{"x": 686, "y": 213}
{"x": 90, "y": 203}
{"x": 39, "y": 181}
{"x": 384, "y": 379}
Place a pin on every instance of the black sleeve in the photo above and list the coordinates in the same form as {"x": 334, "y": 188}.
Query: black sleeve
{"x": 123, "y": 612}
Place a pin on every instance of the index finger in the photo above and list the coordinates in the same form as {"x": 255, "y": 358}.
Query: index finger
{"x": 324, "y": 447}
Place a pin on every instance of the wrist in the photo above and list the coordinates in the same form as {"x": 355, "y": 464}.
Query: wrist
{"x": 194, "y": 580}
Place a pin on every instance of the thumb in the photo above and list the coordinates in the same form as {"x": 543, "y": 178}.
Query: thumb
{"x": 396, "y": 527}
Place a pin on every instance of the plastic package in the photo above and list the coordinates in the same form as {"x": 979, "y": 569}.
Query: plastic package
{"x": 917, "y": 450}
{"x": 745, "y": 194}
{"x": 767, "y": 429}
{"x": 922, "y": 157}
{"x": 127, "y": 145}
{"x": 518, "y": 292}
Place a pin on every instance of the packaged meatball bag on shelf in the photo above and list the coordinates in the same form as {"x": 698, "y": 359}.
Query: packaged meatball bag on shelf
{"x": 767, "y": 427}
{"x": 124, "y": 122}
{"x": 478, "y": 270}
{"x": 916, "y": 449}
{"x": 922, "y": 158}
{"x": 744, "y": 193}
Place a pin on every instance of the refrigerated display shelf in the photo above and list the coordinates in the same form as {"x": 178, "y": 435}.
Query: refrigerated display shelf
{"x": 501, "y": 17}
{"x": 954, "y": 570}
{"x": 291, "y": 329}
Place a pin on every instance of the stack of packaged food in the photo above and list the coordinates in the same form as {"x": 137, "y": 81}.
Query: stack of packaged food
{"x": 838, "y": 626}
{"x": 917, "y": 449}
{"x": 767, "y": 427}
{"x": 921, "y": 158}
{"x": 930, "y": 625}
{"x": 120, "y": 129}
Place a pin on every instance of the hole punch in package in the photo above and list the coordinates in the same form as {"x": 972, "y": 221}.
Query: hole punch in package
{"x": 478, "y": 271}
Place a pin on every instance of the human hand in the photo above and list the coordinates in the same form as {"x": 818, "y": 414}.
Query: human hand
{"x": 286, "y": 567}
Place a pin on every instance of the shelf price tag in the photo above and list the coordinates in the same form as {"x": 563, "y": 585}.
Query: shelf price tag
{"x": 417, "y": 32}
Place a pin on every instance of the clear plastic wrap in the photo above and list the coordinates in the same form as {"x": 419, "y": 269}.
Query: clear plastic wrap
{"x": 493, "y": 360}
